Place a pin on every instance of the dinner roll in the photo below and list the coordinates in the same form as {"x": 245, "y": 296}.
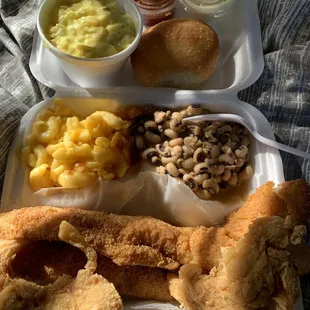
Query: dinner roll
{"x": 180, "y": 53}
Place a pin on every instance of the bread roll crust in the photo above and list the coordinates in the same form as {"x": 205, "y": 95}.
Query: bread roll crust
{"x": 181, "y": 53}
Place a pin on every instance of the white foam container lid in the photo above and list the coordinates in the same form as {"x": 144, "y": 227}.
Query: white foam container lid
{"x": 241, "y": 63}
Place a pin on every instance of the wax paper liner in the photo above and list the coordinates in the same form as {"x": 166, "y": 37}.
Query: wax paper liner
{"x": 145, "y": 193}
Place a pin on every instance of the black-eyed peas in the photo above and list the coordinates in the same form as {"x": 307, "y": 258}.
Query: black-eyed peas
{"x": 226, "y": 158}
{"x": 245, "y": 141}
{"x": 201, "y": 168}
{"x": 175, "y": 142}
{"x": 166, "y": 160}
{"x": 188, "y": 164}
{"x": 149, "y": 153}
{"x": 211, "y": 186}
{"x": 163, "y": 149}
{"x": 207, "y": 156}
{"x": 156, "y": 161}
{"x": 194, "y": 109}
{"x": 217, "y": 169}
{"x": 160, "y": 117}
{"x": 139, "y": 142}
{"x": 176, "y": 125}
{"x": 151, "y": 126}
{"x": 200, "y": 178}
{"x": 177, "y": 151}
{"x": 226, "y": 175}
{"x": 170, "y": 133}
{"x": 182, "y": 171}
{"x": 190, "y": 182}
{"x": 152, "y": 137}
{"x": 161, "y": 170}
{"x": 242, "y": 151}
{"x": 215, "y": 151}
{"x": 240, "y": 162}
{"x": 198, "y": 156}
{"x": 247, "y": 173}
{"x": 172, "y": 170}
{"x": 187, "y": 151}
{"x": 226, "y": 149}
{"x": 233, "y": 180}
{"x": 218, "y": 178}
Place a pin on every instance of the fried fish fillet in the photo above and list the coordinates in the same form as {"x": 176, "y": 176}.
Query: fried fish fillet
{"x": 256, "y": 273}
{"x": 145, "y": 241}
{"x": 43, "y": 262}
{"x": 136, "y": 253}
{"x": 86, "y": 291}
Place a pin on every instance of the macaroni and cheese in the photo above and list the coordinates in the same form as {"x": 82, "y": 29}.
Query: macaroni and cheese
{"x": 64, "y": 150}
{"x": 91, "y": 29}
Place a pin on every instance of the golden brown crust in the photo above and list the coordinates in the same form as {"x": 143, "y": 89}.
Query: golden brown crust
{"x": 296, "y": 194}
{"x": 264, "y": 202}
{"x": 290, "y": 198}
{"x": 256, "y": 273}
{"x": 177, "y": 46}
{"x": 43, "y": 262}
{"x": 145, "y": 241}
{"x": 127, "y": 240}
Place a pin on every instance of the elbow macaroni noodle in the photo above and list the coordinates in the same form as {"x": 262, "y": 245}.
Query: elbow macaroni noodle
{"x": 63, "y": 150}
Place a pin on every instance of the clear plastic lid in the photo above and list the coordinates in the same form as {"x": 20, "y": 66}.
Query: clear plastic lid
{"x": 155, "y": 11}
{"x": 213, "y": 8}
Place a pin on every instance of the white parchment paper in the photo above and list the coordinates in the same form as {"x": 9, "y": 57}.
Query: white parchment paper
{"x": 141, "y": 192}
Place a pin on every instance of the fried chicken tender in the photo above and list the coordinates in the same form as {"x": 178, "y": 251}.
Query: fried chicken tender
{"x": 145, "y": 241}
{"x": 86, "y": 291}
{"x": 256, "y": 273}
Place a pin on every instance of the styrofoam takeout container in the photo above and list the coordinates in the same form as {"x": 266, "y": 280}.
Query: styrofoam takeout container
{"x": 241, "y": 60}
{"x": 266, "y": 161}
{"x": 241, "y": 63}
{"x": 89, "y": 72}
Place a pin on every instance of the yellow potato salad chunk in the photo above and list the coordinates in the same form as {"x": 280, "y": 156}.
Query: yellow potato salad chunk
{"x": 91, "y": 29}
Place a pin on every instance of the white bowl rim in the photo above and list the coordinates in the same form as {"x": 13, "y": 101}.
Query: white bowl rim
{"x": 123, "y": 53}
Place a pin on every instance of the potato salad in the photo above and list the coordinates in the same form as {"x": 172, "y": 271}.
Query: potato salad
{"x": 91, "y": 29}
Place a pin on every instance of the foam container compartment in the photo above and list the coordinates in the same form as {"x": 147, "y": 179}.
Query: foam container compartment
{"x": 266, "y": 160}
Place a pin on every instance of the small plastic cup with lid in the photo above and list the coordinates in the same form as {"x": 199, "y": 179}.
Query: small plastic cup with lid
{"x": 155, "y": 11}
{"x": 211, "y": 8}
{"x": 89, "y": 72}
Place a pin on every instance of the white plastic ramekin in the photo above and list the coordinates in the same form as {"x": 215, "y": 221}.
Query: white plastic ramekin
{"x": 90, "y": 72}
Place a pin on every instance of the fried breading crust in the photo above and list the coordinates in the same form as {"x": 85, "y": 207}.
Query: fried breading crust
{"x": 43, "y": 262}
{"x": 145, "y": 241}
{"x": 256, "y": 273}
{"x": 86, "y": 291}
